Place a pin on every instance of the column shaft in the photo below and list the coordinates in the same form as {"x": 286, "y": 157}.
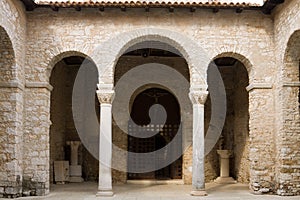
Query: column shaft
{"x": 105, "y": 95}
{"x": 105, "y": 151}
{"x": 198, "y": 180}
{"x": 198, "y": 98}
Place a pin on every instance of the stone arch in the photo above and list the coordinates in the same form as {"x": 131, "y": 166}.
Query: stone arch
{"x": 235, "y": 131}
{"x": 7, "y": 55}
{"x": 61, "y": 55}
{"x": 5, "y": 23}
{"x": 64, "y": 71}
{"x": 243, "y": 59}
{"x": 184, "y": 104}
{"x": 291, "y": 58}
{"x": 107, "y": 55}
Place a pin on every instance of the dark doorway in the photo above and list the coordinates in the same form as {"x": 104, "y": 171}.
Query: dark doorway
{"x": 141, "y": 122}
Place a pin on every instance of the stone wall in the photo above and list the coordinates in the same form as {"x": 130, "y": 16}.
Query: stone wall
{"x": 248, "y": 37}
{"x": 12, "y": 57}
{"x": 36, "y": 140}
{"x": 241, "y": 146}
{"x": 287, "y": 40}
{"x": 57, "y": 115}
{"x": 251, "y": 37}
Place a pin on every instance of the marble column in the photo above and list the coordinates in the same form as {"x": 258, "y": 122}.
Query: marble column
{"x": 198, "y": 98}
{"x": 105, "y": 95}
{"x": 224, "y": 167}
{"x": 74, "y": 151}
{"x": 75, "y": 169}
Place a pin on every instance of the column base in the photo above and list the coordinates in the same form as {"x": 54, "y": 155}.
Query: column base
{"x": 225, "y": 180}
{"x": 105, "y": 193}
{"x": 198, "y": 193}
{"x": 75, "y": 179}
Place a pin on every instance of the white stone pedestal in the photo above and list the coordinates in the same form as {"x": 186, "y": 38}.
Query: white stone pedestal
{"x": 75, "y": 169}
{"x": 224, "y": 177}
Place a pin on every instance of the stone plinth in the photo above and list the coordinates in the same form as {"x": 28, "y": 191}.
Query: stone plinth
{"x": 75, "y": 169}
{"x": 224, "y": 177}
{"x": 61, "y": 172}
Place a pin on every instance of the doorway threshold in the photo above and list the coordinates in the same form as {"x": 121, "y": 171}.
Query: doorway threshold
{"x": 157, "y": 182}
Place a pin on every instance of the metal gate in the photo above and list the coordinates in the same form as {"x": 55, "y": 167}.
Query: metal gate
{"x": 165, "y": 133}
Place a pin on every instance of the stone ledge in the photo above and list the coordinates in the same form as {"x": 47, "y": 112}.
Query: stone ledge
{"x": 105, "y": 193}
{"x": 225, "y": 180}
{"x": 253, "y": 86}
{"x": 291, "y": 84}
{"x": 39, "y": 85}
{"x": 198, "y": 193}
{"x": 11, "y": 84}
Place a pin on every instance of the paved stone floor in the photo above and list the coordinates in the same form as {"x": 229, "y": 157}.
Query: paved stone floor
{"x": 87, "y": 191}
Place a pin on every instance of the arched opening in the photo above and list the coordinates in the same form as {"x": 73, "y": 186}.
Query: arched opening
{"x": 141, "y": 122}
{"x": 289, "y": 134}
{"x": 291, "y": 72}
{"x": 7, "y": 57}
{"x": 64, "y": 134}
{"x": 235, "y": 133}
{"x": 151, "y": 52}
{"x": 10, "y": 120}
{"x": 152, "y": 38}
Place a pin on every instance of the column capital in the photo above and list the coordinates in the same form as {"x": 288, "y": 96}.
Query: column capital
{"x": 198, "y": 96}
{"x": 105, "y": 93}
{"x": 73, "y": 144}
{"x": 224, "y": 153}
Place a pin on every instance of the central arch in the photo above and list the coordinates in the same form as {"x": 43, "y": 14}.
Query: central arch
{"x": 152, "y": 56}
{"x": 107, "y": 55}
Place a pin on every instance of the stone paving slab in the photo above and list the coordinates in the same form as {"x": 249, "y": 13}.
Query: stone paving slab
{"x": 87, "y": 191}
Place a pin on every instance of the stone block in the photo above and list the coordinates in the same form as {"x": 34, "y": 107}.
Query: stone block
{"x": 75, "y": 170}
{"x": 61, "y": 171}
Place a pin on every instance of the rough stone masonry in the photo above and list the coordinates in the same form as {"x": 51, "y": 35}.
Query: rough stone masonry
{"x": 262, "y": 83}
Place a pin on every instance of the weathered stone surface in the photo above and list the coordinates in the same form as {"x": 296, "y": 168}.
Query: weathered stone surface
{"x": 267, "y": 155}
{"x": 12, "y": 59}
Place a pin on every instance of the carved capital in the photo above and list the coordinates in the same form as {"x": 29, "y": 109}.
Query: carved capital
{"x": 74, "y": 144}
{"x": 105, "y": 93}
{"x": 106, "y": 97}
{"x": 198, "y": 96}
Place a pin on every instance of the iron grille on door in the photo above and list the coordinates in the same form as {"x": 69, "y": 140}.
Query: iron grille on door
{"x": 165, "y": 134}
